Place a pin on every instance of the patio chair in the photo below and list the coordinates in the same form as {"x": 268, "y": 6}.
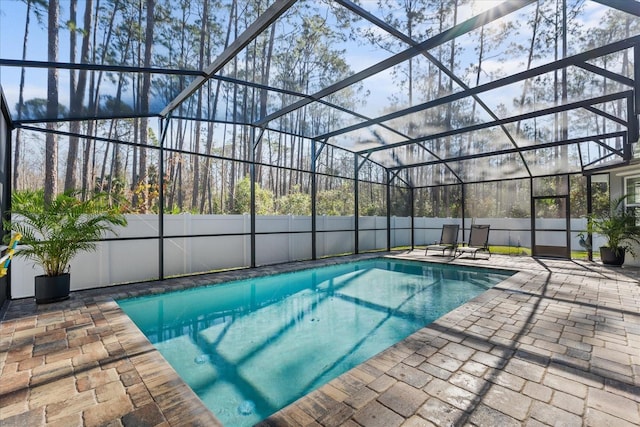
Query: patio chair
{"x": 478, "y": 241}
{"x": 448, "y": 239}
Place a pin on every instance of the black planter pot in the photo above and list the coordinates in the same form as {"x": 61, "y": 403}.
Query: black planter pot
{"x": 52, "y": 288}
{"x": 610, "y": 257}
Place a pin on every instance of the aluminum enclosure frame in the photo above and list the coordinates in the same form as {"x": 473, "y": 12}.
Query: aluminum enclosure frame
{"x": 393, "y": 174}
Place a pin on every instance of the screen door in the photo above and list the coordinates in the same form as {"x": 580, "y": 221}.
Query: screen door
{"x": 551, "y": 227}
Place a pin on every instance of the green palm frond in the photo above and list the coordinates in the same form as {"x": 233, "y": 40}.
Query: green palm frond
{"x": 619, "y": 226}
{"x": 53, "y": 234}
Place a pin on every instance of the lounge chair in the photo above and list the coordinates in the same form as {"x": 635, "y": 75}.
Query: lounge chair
{"x": 478, "y": 241}
{"x": 448, "y": 239}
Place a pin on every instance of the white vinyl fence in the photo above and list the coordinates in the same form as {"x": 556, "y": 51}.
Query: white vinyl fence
{"x": 123, "y": 261}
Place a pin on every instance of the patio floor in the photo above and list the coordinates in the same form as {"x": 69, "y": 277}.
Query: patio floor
{"x": 558, "y": 343}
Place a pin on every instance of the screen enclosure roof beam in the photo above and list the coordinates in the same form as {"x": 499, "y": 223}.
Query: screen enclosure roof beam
{"x": 525, "y": 116}
{"x": 98, "y": 67}
{"x": 400, "y": 35}
{"x": 628, "y": 6}
{"x": 591, "y": 138}
{"x": 576, "y": 60}
{"x": 267, "y": 18}
{"x": 448, "y": 35}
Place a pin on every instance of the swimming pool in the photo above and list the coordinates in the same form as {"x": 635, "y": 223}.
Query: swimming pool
{"x": 248, "y": 348}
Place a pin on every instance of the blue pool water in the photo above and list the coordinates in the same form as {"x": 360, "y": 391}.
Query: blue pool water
{"x": 248, "y": 348}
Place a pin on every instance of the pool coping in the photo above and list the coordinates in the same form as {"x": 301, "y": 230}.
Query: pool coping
{"x": 137, "y": 343}
{"x": 371, "y": 391}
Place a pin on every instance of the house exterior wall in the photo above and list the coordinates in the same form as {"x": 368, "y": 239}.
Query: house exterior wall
{"x": 617, "y": 189}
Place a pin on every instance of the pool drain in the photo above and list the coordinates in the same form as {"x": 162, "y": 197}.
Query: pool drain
{"x": 201, "y": 359}
{"x": 246, "y": 408}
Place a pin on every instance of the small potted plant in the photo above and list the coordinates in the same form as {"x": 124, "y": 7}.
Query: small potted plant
{"x": 53, "y": 233}
{"x": 620, "y": 228}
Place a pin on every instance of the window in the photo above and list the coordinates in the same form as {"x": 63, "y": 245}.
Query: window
{"x": 632, "y": 188}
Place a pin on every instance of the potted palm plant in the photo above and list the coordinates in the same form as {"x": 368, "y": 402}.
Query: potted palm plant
{"x": 53, "y": 233}
{"x": 620, "y": 228}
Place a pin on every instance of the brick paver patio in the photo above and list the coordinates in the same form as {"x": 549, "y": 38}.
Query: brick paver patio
{"x": 558, "y": 343}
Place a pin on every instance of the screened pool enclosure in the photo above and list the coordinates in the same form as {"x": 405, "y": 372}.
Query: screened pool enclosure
{"x": 237, "y": 133}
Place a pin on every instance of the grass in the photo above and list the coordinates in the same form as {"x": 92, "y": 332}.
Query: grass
{"x": 510, "y": 250}
{"x": 516, "y": 251}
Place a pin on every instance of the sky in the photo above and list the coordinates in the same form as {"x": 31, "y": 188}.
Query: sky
{"x": 380, "y": 87}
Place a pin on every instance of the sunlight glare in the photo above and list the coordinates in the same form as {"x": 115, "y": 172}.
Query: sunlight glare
{"x": 479, "y": 6}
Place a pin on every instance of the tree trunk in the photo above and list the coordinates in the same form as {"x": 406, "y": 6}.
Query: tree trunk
{"x": 51, "y": 143}
{"x": 18, "y": 144}
{"x": 144, "y": 107}
{"x": 449, "y": 113}
{"x": 525, "y": 86}
{"x": 224, "y": 130}
{"x": 232, "y": 171}
{"x": 263, "y": 97}
{"x": 88, "y": 162}
{"x": 77, "y": 94}
{"x": 196, "y": 160}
